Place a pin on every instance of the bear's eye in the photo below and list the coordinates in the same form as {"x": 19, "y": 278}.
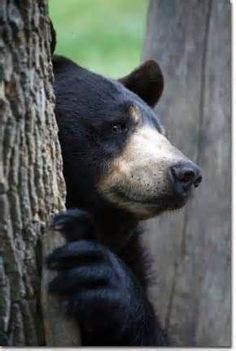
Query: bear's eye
{"x": 119, "y": 128}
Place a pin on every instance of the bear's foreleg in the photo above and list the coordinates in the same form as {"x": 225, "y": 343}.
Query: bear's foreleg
{"x": 100, "y": 290}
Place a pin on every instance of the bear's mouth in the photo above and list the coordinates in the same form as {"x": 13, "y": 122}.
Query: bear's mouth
{"x": 152, "y": 203}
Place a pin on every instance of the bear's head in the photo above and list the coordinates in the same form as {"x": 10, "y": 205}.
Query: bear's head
{"x": 114, "y": 147}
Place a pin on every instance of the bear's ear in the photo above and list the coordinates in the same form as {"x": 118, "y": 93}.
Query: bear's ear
{"x": 53, "y": 38}
{"x": 146, "y": 81}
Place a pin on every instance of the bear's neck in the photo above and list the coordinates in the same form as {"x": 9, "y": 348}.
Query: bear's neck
{"x": 115, "y": 228}
{"x": 121, "y": 234}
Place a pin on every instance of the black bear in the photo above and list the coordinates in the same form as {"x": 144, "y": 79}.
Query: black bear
{"x": 119, "y": 168}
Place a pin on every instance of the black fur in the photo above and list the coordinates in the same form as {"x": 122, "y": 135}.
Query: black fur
{"x": 101, "y": 271}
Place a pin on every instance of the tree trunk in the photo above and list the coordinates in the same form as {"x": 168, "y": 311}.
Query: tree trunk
{"x": 191, "y": 41}
{"x": 31, "y": 183}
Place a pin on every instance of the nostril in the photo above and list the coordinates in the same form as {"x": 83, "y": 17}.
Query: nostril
{"x": 183, "y": 174}
{"x": 197, "y": 181}
{"x": 187, "y": 176}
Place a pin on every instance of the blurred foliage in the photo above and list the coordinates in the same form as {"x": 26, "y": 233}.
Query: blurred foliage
{"x": 105, "y": 36}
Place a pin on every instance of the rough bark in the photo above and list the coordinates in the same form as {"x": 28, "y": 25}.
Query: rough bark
{"x": 31, "y": 183}
{"x": 191, "y": 248}
{"x": 60, "y": 329}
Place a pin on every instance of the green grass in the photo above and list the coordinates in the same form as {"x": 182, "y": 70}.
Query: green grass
{"x": 105, "y": 36}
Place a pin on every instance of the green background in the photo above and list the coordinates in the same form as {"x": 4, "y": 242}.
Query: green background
{"x": 105, "y": 36}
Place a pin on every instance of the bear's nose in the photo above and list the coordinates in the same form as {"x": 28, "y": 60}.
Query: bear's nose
{"x": 185, "y": 175}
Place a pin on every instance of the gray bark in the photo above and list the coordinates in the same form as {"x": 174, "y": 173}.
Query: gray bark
{"x": 60, "y": 329}
{"x": 31, "y": 182}
{"x": 191, "y": 248}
